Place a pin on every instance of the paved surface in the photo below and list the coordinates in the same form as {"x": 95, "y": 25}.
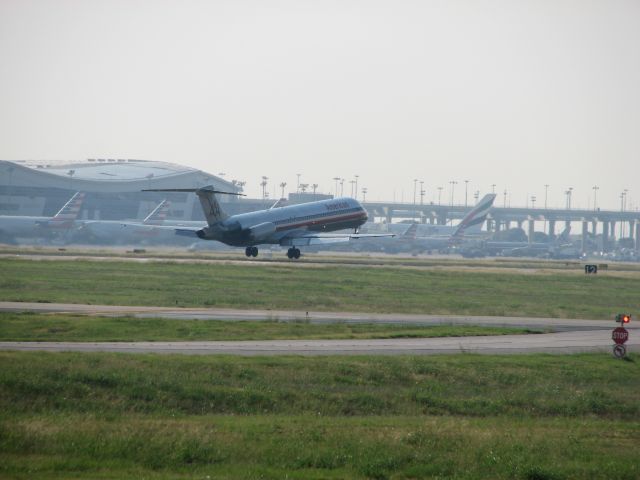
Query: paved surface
{"x": 564, "y": 342}
{"x": 555, "y": 324}
{"x": 571, "y": 336}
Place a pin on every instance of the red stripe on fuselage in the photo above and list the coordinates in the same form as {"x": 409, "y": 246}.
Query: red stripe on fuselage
{"x": 327, "y": 221}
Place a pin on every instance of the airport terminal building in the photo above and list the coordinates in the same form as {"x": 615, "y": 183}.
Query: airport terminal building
{"x": 113, "y": 187}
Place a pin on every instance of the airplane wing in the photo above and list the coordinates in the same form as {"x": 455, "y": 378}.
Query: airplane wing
{"x": 307, "y": 238}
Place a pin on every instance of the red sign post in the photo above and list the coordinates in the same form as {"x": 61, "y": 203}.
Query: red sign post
{"x": 620, "y": 335}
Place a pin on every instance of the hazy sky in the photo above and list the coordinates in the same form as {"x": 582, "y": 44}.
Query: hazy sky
{"x": 516, "y": 93}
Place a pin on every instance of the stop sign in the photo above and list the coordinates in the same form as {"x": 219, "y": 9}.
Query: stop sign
{"x": 620, "y": 335}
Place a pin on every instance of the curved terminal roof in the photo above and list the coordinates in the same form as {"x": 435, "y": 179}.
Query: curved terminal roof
{"x": 109, "y": 175}
{"x": 108, "y": 169}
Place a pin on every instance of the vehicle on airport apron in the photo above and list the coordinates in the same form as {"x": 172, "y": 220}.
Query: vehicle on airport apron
{"x": 291, "y": 226}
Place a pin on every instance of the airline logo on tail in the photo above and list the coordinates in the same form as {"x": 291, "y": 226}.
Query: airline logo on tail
{"x": 68, "y": 213}
{"x": 159, "y": 214}
{"x": 476, "y": 216}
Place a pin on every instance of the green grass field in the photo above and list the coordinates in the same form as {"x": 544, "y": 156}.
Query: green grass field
{"x": 326, "y": 288}
{"x": 113, "y": 416}
{"x": 149, "y": 416}
{"x": 31, "y": 327}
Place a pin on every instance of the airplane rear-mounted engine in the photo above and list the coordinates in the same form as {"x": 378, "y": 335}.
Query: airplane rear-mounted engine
{"x": 262, "y": 230}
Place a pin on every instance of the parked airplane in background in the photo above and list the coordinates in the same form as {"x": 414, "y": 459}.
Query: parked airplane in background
{"x": 474, "y": 218}
{"x": 293, "y": 226}
{"x": 13, "y": 227}
{"x": 126, "y": 232}
{"x": 528, "y": 249}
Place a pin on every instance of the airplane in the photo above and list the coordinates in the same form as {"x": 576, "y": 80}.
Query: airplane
{"x": 14, "y": 226}
{"x": 556, "y": 247}
{"x": 474, "y": 219}
{"x": 127, "y": 231}
{"x": 290, "y": 226}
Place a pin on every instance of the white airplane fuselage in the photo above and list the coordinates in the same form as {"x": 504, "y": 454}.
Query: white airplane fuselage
{"x": 22, "y": 226}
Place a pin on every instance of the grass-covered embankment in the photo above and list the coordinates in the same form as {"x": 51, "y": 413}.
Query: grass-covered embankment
{"x": 328, "y": 288}
{"x": 31, "y": 327}
{"x": 115, "y": 416}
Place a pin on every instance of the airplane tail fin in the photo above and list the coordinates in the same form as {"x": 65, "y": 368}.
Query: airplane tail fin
{"x": 410, "y": 233}
{"x": 281, "y": 202}
{"x": 210, "y": 205}
{"x": 68, "y": 213}
{"x": 477, "y": 215}
{"x": 159, "y": 214}
{"x": 564, "y": 236}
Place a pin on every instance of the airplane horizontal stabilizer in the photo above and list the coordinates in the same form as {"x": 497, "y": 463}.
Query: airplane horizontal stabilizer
{"x": 207, "y": 189}
{"x": 185, "y": 232}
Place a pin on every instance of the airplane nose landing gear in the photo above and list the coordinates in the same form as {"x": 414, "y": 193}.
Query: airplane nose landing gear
{"x": 251, "y": 251}
{"x": 293, "y": 252}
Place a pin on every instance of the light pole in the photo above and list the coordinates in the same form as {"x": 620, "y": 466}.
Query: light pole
{"x": 493, "y": 188}
{"x": 476, "y": 195}
{"x": 439, "y": 194}
{"x": 422, "y": 192}
{"x": 352, "y": 182}
{"x": 356, "y": 186}
{"x": 624, "y": 207}
{"x": 415, "y": 184}
{"x": 264, "y": 187}
{"x": 466, "y": 186}
{"x": 336, "y": 179}
{"x": 568, "y": 193}
{"x": 314, "y": 186}
{"x": 282, "y": 185}
{"x": 504, "y": 198}
{"x": 533, "y": 201}
{"x": 453, "y": 188}
{"x": 364, "y": 194}
{"x": 342, "y": 187}
{"x": 595, "y": 196}
{"x": 621, "y": 210}
{"x": 298, "y": 184}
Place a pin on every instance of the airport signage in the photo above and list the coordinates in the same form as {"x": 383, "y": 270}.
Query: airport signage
{"x": 619, "y": 351}
{"x": 620, "y": 335}
{"x": 590, "y": 269}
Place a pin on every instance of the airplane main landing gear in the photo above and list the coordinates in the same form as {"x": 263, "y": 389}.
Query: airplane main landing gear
{"x": 251, "y": 251}
{"x": 293, "y": 252}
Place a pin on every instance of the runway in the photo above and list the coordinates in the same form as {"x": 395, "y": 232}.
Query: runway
{"x": 570, "y": 336}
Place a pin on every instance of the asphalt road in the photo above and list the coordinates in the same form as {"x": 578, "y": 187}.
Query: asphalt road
{"x": 554, "y": 324}
{"x": 558, "y": 343}
{"x": 570, "y": 336}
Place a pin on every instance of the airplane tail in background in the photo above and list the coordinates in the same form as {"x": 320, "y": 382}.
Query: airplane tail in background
{"x": 410, "y": 233}
{"x": 68, "y": 213}
{"x": 159, "y": 214}
{"x": 564, "y": 236}
{"x": 210, "y": 205}
{"x": 476, "y": 216}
